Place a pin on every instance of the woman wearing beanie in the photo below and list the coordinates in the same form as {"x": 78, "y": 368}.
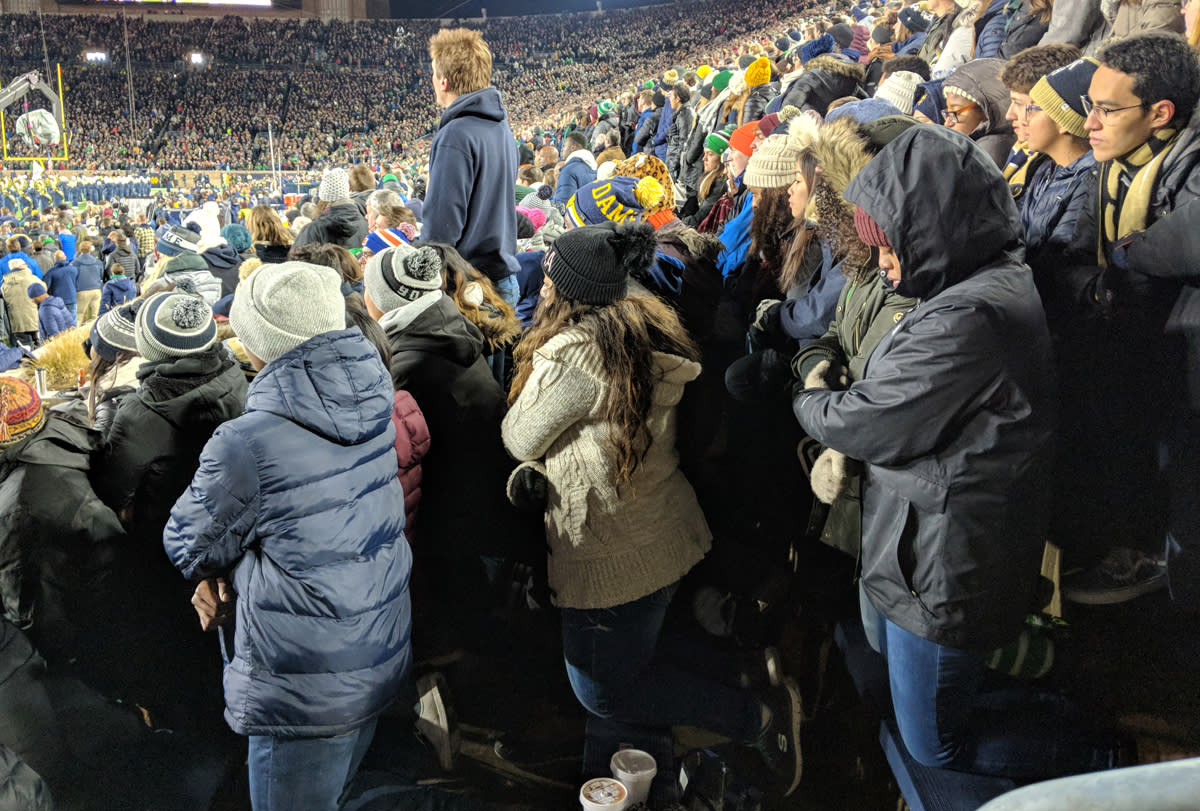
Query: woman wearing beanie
{"x": 712, "y": 183}
{"x": 112, "y": 348}
{"x": 188, "y": 385}
{"x": 438, "y": 357}
{"x": 304, "y": 566}
{"x": 976, "y": 105}
{"x": 593, "y": 409}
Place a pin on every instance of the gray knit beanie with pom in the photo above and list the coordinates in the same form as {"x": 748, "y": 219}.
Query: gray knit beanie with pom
{"x": 171, "y": 325}
{"x": 401, "y": 275}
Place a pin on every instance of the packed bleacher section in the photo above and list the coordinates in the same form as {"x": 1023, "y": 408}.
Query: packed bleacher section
{"x": 292, "y": 74}
{"x": 815, "y": 391}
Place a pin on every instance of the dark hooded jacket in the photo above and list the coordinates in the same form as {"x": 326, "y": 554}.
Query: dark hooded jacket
{"x": 315, "y": 551}
{"x": 57, "y": 538}
{"x": 953, "y": 416}
{"x": 153, "y": 447}
{"x": 437, "y": 357}
{"x": 341, "y": 223}
{"x": 223, "y": 261}
{"x": 472, "y": 175}
{"x": 827, "y": 77}
{"x": 981, "y": 79}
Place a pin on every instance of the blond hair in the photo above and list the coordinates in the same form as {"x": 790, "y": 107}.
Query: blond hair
{"x": 463, "y": 59}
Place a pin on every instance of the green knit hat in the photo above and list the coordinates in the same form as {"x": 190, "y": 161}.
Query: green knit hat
{"x": 721, "y": 80}
{"x": 718, "y": 141}
{"x": 648, "y": 85}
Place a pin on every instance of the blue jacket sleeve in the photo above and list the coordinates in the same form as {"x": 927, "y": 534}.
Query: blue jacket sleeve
{"x": 568, "y": 182}
{"x": 806, "y": 318}
{"x": 452, "y": 177}
{"x": 213, "y": 522}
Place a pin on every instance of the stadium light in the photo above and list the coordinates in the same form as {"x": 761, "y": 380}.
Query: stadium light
{"x": 95, "y": 56}
{"x": 197, "y": 58}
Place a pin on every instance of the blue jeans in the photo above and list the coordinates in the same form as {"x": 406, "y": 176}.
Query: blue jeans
{"x": 509, "y": 290}
{"x": 955, "y": 713}
{"x": 614, "y": 670}
{"x": 309, "y": 773}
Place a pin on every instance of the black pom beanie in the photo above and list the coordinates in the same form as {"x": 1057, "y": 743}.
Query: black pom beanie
{"x": 592, "y": 264}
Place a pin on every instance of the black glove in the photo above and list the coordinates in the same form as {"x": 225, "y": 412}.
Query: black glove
{"x": 528, "y": 487}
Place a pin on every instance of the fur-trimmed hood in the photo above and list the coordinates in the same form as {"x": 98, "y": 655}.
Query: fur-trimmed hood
{"x": 831, "y": 63}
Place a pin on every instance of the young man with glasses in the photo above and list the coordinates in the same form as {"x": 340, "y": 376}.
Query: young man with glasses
{"x": 1144, "y": 281}
{"x": 975, "y": 106}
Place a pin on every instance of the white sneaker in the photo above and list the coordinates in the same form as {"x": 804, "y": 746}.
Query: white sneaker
{"x": 436, "y": 722}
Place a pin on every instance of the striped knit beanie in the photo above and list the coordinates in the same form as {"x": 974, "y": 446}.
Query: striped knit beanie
{"x": 113, "y": 332}
{"x": 380, "y": 241}
{"x": 174, "y": 324}
{"x": 718, "y": 141}
{"x": 21, "y": 412}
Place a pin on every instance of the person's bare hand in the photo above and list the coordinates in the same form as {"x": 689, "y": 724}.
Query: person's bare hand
{"x": 214, "y": 601}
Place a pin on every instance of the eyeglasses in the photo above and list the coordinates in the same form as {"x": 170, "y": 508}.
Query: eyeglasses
{"x": 1030, "y": 109}
{"x": 1102, "y": 113}
{"x": 952, "y": 115}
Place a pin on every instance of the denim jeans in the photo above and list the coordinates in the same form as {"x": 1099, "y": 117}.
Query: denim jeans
{"x": 509, "y": 290}
{"x": 309, "y": 773}
{"x": 955, "y": 713}
{"x": 616, "y": 675}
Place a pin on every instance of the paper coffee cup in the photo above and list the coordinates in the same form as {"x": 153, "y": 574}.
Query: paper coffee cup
{"x": 604, "y": 794}
{"x": 636, "y": 769}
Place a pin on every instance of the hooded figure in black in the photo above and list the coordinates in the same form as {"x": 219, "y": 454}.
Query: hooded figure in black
{"x": 953, "y": 418}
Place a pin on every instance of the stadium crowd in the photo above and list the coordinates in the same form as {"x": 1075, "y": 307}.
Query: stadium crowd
{"x": 601, "y": 332}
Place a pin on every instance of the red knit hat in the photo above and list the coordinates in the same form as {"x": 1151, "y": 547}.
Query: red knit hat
{"x": 868, "y": 230}
{"x": 21, "y": 412}
{"x": 743, "y": 138}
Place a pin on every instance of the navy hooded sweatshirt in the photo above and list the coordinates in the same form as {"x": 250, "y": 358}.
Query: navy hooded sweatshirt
{"x": 472, "y": 179}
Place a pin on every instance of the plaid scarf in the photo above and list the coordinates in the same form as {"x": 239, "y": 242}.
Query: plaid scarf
{"x": 1125, "y": 186}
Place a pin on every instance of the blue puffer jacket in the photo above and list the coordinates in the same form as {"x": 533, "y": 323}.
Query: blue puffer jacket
{"x": 317, "y": 550}
{"x": 1050, "y": 207}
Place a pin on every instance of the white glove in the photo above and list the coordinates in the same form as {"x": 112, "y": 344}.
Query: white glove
{"x": 829, "y": 476}
{"x": 816, "y": 378}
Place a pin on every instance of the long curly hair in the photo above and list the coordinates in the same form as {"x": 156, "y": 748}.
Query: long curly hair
{"x": 476, "y": 297}
{"x": 626, "y": 333}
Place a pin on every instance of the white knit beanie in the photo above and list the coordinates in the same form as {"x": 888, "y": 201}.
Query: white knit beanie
{"x": 335, "y": 185}
{"x": 773, "y": 164}
{"x": 278, "y": 307}
{"x": 399, "y": 276}
{"x": 900, "y": 88}
{"x": 171, "y": 325}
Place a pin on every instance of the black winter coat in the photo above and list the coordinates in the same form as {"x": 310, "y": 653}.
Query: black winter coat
{"x": 826, "y": 79}
{"x": 58, "y": 540}
{"x": 340, "y": 224}
{"x": 153, "y": 447}
{"x": 437, "y": 357}
{"x": 954, "y": 413}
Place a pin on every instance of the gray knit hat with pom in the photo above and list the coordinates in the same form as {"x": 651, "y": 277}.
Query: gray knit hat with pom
{"x": 171, "y": 325}
{"x": 401, "y": 275}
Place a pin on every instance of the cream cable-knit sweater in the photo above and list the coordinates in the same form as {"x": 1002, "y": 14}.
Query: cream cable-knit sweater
{"x": 607, "y": 546}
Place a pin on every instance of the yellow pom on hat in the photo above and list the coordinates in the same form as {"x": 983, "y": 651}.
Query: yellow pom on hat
{"x": 759, "y": 72}
{"x": 703, "y": 70}
{"x": 649, "y": 192}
